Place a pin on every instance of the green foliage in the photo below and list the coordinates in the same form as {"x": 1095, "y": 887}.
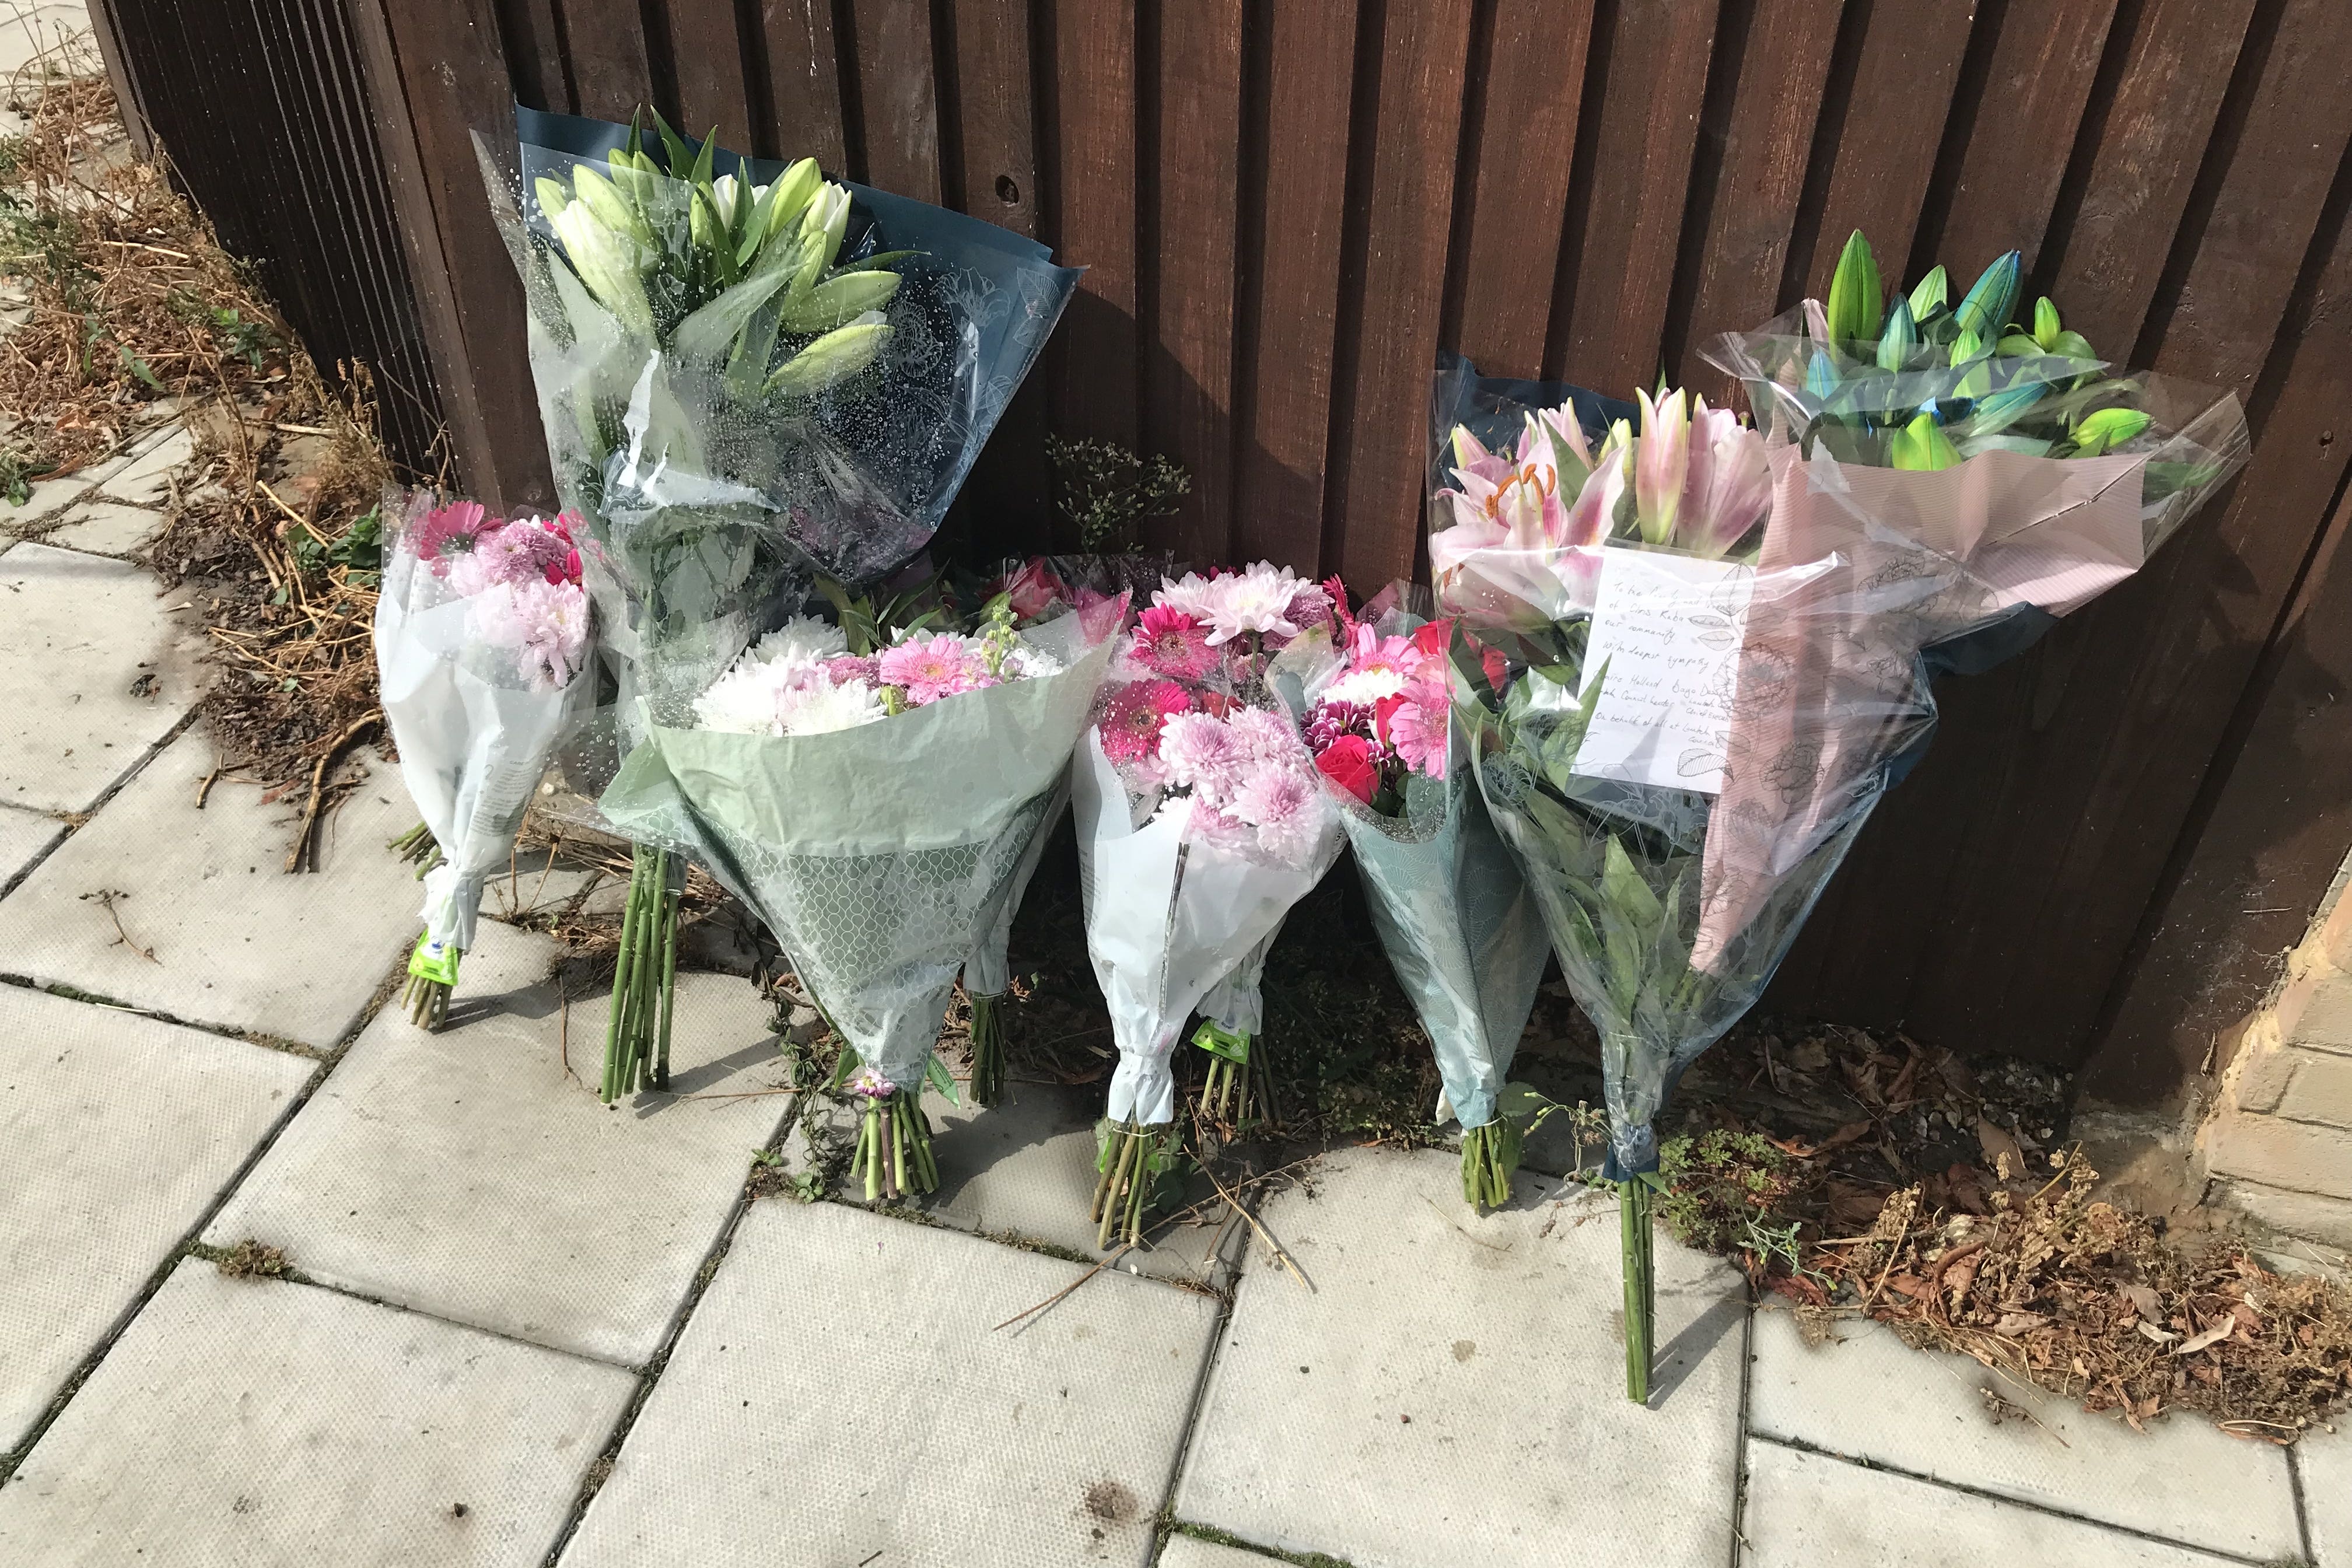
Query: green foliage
{"x": 18, "y": 473}
{"x": 1107, "y": 490}
{"x": 359, "y": 547}
{"x": 1726, "y": 1192}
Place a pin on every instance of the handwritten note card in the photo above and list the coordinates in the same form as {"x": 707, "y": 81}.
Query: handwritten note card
{"x": 1667, "y": 629}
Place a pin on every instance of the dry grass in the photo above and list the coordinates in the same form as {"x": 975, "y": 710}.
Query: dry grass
{"x": 132, "y": 311}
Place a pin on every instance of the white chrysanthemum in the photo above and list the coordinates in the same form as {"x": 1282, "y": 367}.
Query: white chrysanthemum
{"x": 821, "y": 708}
{"x": 804, "y": 639}
{"x": 743, "y": 701}
{"x": 1030, "y": 664}
{"x": 1256, "y": 600}
{"x": 1365, "y": 687}
{"x": 1196, "y": 595}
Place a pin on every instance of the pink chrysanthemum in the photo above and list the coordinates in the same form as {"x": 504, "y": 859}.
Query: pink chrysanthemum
{"x": 848, "y": 667}
{"x": 1286, "y": 805}
{"x": 1204, "y": 824}
{"x": 1264, "y": 736}
{"x": 929, "y": 666}
{"x": 1207, "y": 755}
{"x": 545, "y": 624}
{"x": 1133, "y": 716}
{"x": 868, "y": 1084}
{"x": 1174, "y": 643}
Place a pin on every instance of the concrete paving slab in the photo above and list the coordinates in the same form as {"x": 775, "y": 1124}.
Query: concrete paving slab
{"x": 238, "y": 942}
{"x": 1867, "y": 1395}
{"x": 58, "y": 33}
{"x": 146, "y": 480}
{"x": 120, "y": 1131}
{"x": 278, "y": 1425}
{"x": 1026, "y": 1170}
{"x": 48, "y": 498}
{"x": 2325, "y": 1461}
{"x": 94, "y": 672}
{"x": 1452, "y": 1387}
{"x": 1191, "y": 1552}
{"x": 107, "y": 528}
{"x": 465, "y": 1174}
{"x": 1809, "y": 1510}
{"x": 842, "y": 1396}
{"x": 25, "y": 837}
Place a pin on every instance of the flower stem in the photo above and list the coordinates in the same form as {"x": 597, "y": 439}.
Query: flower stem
{"x": 1123, "y": 1195}
{"x": 617, "y": 1026}
{"x": 988, "y": 1049}
{"x": 1640, "y": 1292}
{"x": 669, "y": 979}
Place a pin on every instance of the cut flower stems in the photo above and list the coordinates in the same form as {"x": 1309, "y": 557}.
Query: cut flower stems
{"x": 645, "y": 981}
{"x": 987, "y": 1030}
{"x": 894, "y": 1138}
{"x": 1130, "y": 1159}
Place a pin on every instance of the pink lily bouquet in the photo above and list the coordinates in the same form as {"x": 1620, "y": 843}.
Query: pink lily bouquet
{"x": 481, "y": 629}
{"x": 1454, "y": 916}
{"x": 873, "y": 795}
{"x": 1200, "y": 822}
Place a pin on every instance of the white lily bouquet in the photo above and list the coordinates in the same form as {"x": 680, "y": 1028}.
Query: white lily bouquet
{"x": 753, "y": 380}
{"x": 1200, "y": 823}
{"x": 874, "y": 802}
{"x": 481, "y": 631}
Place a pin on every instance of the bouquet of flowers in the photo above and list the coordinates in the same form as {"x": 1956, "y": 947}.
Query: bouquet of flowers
{"x": 752, "y": 381}
{"x": 1720, "y": 660}
{"x": 871, "y": 801}
{"x": 1200, "y": 822}
{"x": 1453, "y": 913}
{"x": 481, "y": 629}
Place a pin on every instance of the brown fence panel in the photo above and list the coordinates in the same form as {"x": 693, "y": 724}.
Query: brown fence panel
{"x": 1287, "y": 208}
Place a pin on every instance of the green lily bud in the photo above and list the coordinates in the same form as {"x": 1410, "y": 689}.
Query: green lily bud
{"x": 1899, "y": 338}
{"x": 552, "y": 198}
{"x": 2095, "y": 433}
{"x": 2045, "y": 323}
{"x": 2017, "y": 345}
{"x": 2073, "y": 345}
{"x": 835, "y": 357}
{"x": 790, "y": 193}
{"x": 1856, "y": 303}
{"x": 1965, "y": 347}
{"x": 1921, "y": 447}
{"x": 1931, "y": 294}
{"x": 841, "y": 297}
{"x": 1985, "y": 311}
{"x": 606, "y": 263}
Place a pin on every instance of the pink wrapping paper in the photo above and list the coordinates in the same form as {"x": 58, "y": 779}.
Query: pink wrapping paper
{"x": 1828, "y": 682}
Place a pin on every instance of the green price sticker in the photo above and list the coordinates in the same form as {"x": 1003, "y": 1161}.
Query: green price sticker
{"x": 434, "y": 960}
{"x": 1223, "y": 1043}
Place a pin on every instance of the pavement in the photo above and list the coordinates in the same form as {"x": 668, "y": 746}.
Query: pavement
{"x": 517, "y": 1326}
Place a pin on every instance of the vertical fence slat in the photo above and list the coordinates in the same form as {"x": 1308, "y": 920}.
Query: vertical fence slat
{"x": 897, "y": 96}
{"x": 1524, "y": 144}
{"x": 1094, "y": 210}
{"x": 707, "y": 56}
{"x": 995, "y": 136}
{"x": 1759, "y": 157}
{"x": 1886, "y": 128}
{"x": 803, "y": 83}
{"x": 2100, "y": 737}
{"x": 2028, "y": 110}
{"x": 1382, "y": 425}
{"x": 611, "y": 75}
{"x": 1188, "y": 370}
{"x": 1288, "y": 357}
{"x": 2152, "y": 139}
{"x": 1648, "y": 130}
{"x": 535, "y": 54}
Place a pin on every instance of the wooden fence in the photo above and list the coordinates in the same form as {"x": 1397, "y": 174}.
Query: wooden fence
{"x": 1288, "y": 207}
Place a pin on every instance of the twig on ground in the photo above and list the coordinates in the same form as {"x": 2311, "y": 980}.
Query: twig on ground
{"x": 303, "y": 843}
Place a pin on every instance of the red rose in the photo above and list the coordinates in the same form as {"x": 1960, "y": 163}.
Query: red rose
{"x": 1381, "y": 711}
{"x": 1033, "y": 590}
{"x": 1429, "y": 639}
{"x": 1347, "y": 763}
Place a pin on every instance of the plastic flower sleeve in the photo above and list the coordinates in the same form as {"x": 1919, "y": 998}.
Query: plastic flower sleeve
{"x": 1452, "y": 911}
{"x": 1236, "y": 1003}
{"x": 874, "y": 853}
{"x": 1166, "y": 920}
{"x": 474, "y": 722}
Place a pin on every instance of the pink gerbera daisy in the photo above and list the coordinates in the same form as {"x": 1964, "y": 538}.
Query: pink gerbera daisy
{"x": 447, "y": 531}
{"x": 1133, "y": 715}
{"x": 931, "y": 666}
{"x": 1174, "y": 643}
{"x": 1418, "y": 728}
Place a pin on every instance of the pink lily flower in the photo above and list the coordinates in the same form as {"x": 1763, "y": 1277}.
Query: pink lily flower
{"x": 1730, "y": 487}
{"x": 1565, "y": 433}
{"x": 1661, "y": 464}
